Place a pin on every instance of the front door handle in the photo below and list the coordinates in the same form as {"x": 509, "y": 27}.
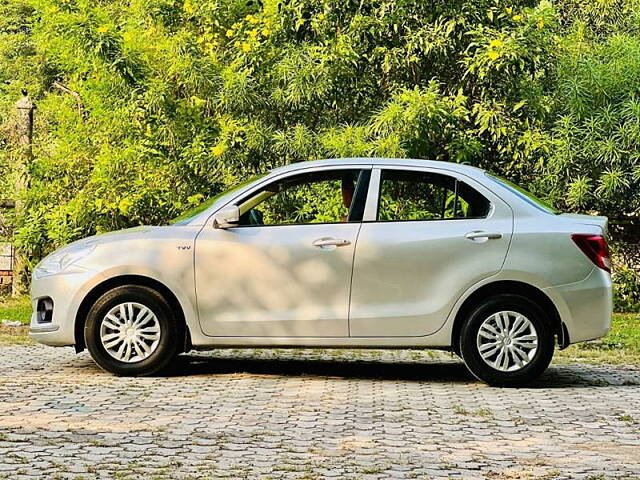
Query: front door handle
{"x": 331, "y": 242}
{"x": 478, "y": 235}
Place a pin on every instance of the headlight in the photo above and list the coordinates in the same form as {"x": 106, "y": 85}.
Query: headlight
{"x": 58, "y": 261}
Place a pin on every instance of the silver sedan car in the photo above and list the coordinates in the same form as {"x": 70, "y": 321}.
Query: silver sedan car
{"x": 357, "y": 253}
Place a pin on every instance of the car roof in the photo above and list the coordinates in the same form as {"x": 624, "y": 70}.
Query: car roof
{"x": 377, "y": 161}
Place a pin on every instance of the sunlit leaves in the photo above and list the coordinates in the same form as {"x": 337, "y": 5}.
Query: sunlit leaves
{"x": 489, "y": 117}
{"x": 296, "y": 71}
{"x": 347, "y": 141}
{"x": 598, "y": 136}
{"x": 296, "y": 144}
{"x": 579, "y": 191}
{"x": 185, "y": 97}
{"x": 611, "y": 183}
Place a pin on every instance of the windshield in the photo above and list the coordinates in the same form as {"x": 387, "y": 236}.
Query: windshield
{"x": 528, "y": 197}
{"x": 187, "y": 216}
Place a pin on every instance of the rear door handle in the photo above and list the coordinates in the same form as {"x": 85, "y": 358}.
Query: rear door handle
{"x": 331, "y": 242}
{"x": 475, "y": 235}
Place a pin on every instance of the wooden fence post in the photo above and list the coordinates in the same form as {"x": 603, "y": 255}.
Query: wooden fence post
{"x": 24, "y": 134}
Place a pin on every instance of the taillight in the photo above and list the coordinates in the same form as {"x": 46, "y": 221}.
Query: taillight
{"x": 595, "y": 247}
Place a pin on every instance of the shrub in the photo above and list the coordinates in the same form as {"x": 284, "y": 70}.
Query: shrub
{"x": 179, "y": 99}
{"x": 626, "y": 290}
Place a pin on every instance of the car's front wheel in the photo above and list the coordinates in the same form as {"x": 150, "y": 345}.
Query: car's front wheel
{"x": 507, "y": 341}
{"x": 131, "y": 330}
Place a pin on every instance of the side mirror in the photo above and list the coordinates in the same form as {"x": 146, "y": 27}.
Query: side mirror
{"x": 227, "y": 217}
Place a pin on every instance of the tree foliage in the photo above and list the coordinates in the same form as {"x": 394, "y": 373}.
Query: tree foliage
{"x": 596, "y": 137}
{"x": 182, "y": 98}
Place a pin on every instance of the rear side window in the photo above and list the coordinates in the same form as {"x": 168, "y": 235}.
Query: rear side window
{"x": 407, "y": 195}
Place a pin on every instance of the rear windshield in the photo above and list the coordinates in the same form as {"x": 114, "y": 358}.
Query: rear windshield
{"x": 528, "y": 197}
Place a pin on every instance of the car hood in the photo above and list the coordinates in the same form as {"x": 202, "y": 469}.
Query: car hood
{"x": 115, "y": 235}
{"x": 120, "y": 233}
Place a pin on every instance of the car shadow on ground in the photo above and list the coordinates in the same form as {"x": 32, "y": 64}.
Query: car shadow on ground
{"x": 557, "y": 376}
{"x": 201, "y": 365}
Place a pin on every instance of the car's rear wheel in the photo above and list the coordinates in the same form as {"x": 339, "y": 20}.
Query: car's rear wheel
{"x": 131, "y": 330}
{"x": 507, "y": 341}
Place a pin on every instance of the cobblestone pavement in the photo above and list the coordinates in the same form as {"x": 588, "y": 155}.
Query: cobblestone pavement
{"x": 312, "y": 414}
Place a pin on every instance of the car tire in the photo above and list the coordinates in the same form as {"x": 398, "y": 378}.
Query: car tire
{"x": 131, "y": 331}
{"x": 507, "y": 341}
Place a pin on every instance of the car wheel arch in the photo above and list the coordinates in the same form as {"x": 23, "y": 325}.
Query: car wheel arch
{"x": 510, "y": 287}
{"x": 118, "y": 281}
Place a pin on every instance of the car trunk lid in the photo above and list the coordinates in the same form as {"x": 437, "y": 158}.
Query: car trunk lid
{"x": 594, "y": 220}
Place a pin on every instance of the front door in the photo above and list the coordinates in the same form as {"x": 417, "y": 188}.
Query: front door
{"x": 285, "y": 270}
{"x": 434, "y": 236}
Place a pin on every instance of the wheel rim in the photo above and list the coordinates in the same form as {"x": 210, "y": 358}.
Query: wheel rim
{"x": 507, "y": 341}
{"x": 130, "y": 332}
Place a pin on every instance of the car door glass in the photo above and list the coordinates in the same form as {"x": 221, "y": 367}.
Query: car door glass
{"x": 407, "y": 195}
{"x": 318, "y": 197}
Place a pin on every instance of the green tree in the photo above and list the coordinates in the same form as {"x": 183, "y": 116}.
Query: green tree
{"x": 595, "y": 136}
{"x": 146, "y": 107}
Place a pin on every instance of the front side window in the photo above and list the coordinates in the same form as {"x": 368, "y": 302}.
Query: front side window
{"x": 407, "y": 195}
{"x": 190, "y": 214}
{"x": 332, "y": 196}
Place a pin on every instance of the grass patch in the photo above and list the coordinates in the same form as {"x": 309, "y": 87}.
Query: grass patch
{"x": 626, "y": 418}
{"x": 621, "y": 345}
{"x": 15, "y": 309}
{"x": 482, "y": 412}
{"x": 15, "y": 335}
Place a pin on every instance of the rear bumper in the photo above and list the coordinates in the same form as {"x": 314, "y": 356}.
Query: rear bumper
{"x": 585, "y": 307}
{"x": 66, "y": 290}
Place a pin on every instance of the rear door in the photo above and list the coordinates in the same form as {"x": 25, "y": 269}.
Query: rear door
{"x": 433, "y": 235}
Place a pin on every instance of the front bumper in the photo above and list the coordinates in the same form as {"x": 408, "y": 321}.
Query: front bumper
{"x": 66, "y": 289}
{"x": 585, "y": 307}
